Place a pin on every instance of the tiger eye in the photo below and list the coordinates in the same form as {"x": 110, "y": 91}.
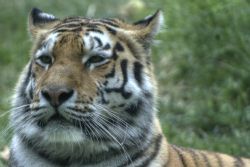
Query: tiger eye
{"x": 96, "y": 59}
{"x": 45, "y": 59}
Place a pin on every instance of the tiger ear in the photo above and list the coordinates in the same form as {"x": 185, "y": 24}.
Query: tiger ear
{"x": 40, "y": 22}
{"x": 148, "y": 28}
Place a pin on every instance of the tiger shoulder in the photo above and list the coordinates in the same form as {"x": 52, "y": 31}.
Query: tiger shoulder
{"x": 87, "y": 98}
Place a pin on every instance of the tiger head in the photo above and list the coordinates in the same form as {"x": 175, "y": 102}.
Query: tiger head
{"x": 87, "y": 80}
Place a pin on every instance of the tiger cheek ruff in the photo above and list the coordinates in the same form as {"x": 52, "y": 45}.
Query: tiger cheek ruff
{"x": 87, "y": 98}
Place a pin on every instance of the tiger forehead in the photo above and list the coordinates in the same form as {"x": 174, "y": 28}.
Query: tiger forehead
{"x": 86, "y": 39}
{"x": 91, "y": 36}
{"x": 113, "y": 22}
{"x": 83, "y": 26}
{"x": 69, "y": 42}
{"x": 76, "y": 24}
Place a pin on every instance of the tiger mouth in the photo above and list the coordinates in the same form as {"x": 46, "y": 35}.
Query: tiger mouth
{"x": 56, "y": 118}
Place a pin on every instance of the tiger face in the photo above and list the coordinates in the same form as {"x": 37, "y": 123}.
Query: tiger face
{"x": 88, "y": 81}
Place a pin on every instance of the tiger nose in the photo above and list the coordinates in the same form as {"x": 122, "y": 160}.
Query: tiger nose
{"x": 57, "y": 95}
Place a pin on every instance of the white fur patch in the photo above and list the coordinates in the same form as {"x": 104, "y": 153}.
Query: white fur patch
{"x": 49, "y": 45}
{"x": 132, "y": 86}
{"x": 159, "y": 23}
{"x": 47, "y": 15}
{"x": 92, "y": 46}
{"x": 56, "y": 132}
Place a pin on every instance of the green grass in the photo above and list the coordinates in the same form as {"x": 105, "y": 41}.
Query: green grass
{"x": 202, "y": 64}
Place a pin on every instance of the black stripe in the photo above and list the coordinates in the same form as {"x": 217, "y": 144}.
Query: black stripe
{"x": 148, "y": 95}
{"x": 121, "y": 105}
{"x": 238, "y": 162}
{"x": 26, "y": 81}
{"x": 194, "y": 157}
{"x": 154, "y": 153}
{"x": 205, "y": 158}
{"x": 124, "y": 66}
{"x": 103, "y": 100}
{"x": 94, "y": 30}
{"x": 114, "y": 55}
{"x": 111, "y": 30}
{"x": 31, "y": 92}
{"x": 126, "y": 95}
{"x": 109, "y": 23}
{"x": 134, "y": 109}
{"x": 32, "y": 79}
{"x": 147, "y": 20}
{"x": 119, "y": 47}
{"x": 138, "y": 72}
{"x": 180, "y": 154}
{"x": 73, "y": 19}
{"x": 141, "y": 153}
{"x": 111, "y": 74}
{"x": 91, "y": 26}
{"x": 76, "y": 29}
{"x": 68, "y": 25}
{"x": 98, "y": 41}
{"x": 218, "y": 158}
{"x": 108, "y": 28}
{"x": 106, "y": 47}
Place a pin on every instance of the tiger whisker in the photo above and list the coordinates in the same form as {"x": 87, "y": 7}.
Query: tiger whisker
{"x": 123, "y": 124}
{"x": 117, "y": 130}
{"x": 88, "y": 125}
{"x": 12, "y": 109}
{"x": 115, "y": 139}
{"x": 93, "y": 129}
{"x": 111, "y": 113}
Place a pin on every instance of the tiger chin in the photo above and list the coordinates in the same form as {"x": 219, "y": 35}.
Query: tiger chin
{"x": 87, "y": 98}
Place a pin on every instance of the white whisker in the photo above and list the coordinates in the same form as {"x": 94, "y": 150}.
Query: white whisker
{"x": 115, "y": 139}
{"x": 12, "y": 109}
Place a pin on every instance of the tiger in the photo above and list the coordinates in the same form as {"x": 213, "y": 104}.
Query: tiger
{"x": 88, "y": 98}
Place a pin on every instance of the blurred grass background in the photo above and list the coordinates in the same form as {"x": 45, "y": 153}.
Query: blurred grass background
{"x": 202, "y": 63}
